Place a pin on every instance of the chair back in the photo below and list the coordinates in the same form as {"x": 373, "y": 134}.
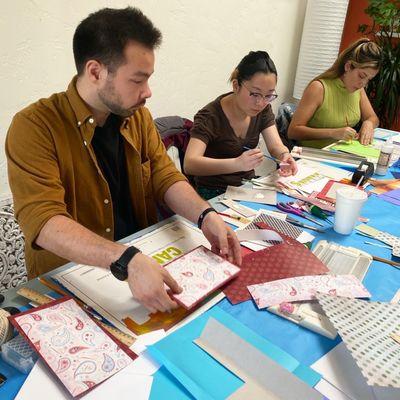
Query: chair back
{"x": 12, "y": 249}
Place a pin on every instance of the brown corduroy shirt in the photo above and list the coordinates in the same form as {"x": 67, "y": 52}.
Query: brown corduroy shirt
{"x": 52, "y": 170}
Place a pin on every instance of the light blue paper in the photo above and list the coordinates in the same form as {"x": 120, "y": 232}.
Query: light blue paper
{"x": 204, "y": 377}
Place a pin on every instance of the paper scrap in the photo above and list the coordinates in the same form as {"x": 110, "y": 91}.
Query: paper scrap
{"x": 301, "y": 288}
{"x": 254, "y": 195}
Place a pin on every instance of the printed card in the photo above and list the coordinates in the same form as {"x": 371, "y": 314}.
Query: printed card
{"x": 73, "y": 346}
{"x": 199, "y": 273}
{"x": 301, "y": 288}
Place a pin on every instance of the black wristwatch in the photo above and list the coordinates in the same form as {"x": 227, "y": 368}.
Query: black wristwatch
{"x": 119, "y": 268}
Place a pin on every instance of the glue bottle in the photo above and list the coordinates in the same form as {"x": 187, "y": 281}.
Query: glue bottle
{"x": 384, "y": 158}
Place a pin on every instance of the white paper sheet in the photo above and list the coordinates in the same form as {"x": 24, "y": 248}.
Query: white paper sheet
{"x": 41, "y": 384}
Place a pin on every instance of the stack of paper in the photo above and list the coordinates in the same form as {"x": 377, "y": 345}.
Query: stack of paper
{"x": 189, "y": 371}
{"x": 277, "y": 262}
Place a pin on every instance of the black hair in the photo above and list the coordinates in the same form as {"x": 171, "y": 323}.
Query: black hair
{"x": 255, "y": 61}
{"x": 103, "y": 35}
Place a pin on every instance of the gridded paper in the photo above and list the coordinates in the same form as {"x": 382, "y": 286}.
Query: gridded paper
{"x": 365, "y": 328}
{"x": 199, "y": 273}
{"x": 301, "y": 288}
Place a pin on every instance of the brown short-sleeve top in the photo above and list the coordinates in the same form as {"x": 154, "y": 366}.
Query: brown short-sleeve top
{"x": 213, "y": 128}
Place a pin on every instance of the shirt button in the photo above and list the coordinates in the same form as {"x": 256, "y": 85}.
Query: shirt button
{"x": 79, "y": 123}
{"x": 106, "y": 201}
{"x": 85, "y": 143}
{"x": 91, "y": 120}
{"x": 108, "y": 230}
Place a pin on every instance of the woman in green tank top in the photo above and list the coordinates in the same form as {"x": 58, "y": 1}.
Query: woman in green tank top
{"x": 335, "y": 101}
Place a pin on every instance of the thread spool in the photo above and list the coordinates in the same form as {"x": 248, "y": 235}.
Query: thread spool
{"x": 6, "y": 330}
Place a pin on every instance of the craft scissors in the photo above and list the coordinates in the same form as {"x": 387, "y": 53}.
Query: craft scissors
{"x": 289, "y": 209}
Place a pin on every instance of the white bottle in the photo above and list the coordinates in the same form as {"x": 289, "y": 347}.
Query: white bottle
{"x": 384, "y": 158}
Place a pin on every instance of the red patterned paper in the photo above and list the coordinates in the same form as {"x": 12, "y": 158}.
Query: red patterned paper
{"x": 280, "y": 261}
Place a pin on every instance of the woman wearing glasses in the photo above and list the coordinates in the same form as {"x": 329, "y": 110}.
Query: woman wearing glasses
{"x": 334, "y": 105}
{"x": 223, "y": 141}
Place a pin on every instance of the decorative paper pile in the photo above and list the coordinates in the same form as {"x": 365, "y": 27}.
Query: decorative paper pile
{"x": 382, "y": 236}
{"x": 384, "y": 185}
{"x": 366, "y": 329}
{"x": 74, "y": 347}
{"x": 303, "y": 288}
{"x": 284, "y": 260}
{"x": 281, "y": 226}
{"x": 393, "y": 196}
{"x": 199, "y": 273}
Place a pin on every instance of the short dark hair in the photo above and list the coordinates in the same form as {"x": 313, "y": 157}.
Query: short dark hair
{"x": 255, "y": 61}
{"x": 104, "y": 34}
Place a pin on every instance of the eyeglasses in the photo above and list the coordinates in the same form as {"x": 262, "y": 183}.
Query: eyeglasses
{"x": 258, "y": 97}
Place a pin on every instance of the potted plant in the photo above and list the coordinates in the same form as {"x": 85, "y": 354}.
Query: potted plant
{"x": 384, "y": 89}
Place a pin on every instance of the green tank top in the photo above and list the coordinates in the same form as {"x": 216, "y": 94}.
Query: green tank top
{"x": 338, "y": 109}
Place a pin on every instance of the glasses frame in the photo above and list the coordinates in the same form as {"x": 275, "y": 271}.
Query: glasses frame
{"x": 258, "y": 97}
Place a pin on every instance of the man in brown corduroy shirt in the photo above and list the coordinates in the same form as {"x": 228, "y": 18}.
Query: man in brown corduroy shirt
{"x": 87, "y": 166}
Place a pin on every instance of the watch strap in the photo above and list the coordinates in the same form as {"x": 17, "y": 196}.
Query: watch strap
{"x": 203, "y": 215}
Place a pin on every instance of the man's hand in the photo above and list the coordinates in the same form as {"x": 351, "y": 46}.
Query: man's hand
{"x": 146, "y": 280}
{"x": 366, "y": 135}
{"x": 222, "y": 238}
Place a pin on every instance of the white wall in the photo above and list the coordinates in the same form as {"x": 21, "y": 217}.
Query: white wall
{"x": 202, "y": 42}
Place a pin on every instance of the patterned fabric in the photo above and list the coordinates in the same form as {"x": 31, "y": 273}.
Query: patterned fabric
{"x": 12, "y": 255}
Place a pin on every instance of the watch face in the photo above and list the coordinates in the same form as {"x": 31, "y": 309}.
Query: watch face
{"x": 119, "y": 271}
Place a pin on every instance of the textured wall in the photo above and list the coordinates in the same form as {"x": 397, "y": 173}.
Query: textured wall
{"x": 203, "y": 41}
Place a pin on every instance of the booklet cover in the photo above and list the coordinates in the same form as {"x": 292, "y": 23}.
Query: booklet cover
{"x": 77, "y": 350}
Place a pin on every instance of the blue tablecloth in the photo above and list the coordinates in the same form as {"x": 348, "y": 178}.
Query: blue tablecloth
{"x": 382, "y": 281}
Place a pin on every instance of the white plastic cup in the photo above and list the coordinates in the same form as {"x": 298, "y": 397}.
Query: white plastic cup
{"x": 349, "y": 201}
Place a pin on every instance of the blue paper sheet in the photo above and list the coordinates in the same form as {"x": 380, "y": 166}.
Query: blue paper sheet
{"x": 200, "y": 374}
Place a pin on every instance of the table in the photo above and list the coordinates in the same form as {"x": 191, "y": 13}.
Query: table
{"x": 382, "y": 281}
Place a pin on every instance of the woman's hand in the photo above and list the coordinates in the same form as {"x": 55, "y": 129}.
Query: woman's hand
{"x": 288, "y": 165}
{"x": 250, "y": 159}
{"x": 366, "y": 134}
{"x": 345, "y": 133}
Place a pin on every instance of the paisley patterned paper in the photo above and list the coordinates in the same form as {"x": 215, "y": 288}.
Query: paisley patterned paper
{"x": 75, "y": 348}
{"x": 301, "y": 288}
{"x": 199, "y": 273}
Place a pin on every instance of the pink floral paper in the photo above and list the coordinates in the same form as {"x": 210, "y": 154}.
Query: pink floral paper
{"x": 303, "y": 288}
{"x": 77, "y": 350}
{"x": 199, "y": 273}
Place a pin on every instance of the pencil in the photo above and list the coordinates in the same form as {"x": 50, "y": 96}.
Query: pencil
{"x": 347, "y": 124}
{"x": 269, "y": 157}
{"x": 237, "y": 217}
{"x": 386, "y": 261}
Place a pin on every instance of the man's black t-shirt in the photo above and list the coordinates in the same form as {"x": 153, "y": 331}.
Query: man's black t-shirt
{"x": 108, "y": 145}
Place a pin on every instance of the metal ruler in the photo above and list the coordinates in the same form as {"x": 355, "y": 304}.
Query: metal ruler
{"x": 41, "y": 299}
{"x": 310, "y": 153}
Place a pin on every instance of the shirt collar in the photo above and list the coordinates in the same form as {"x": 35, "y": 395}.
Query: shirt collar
{"x": 81, "y": 109}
